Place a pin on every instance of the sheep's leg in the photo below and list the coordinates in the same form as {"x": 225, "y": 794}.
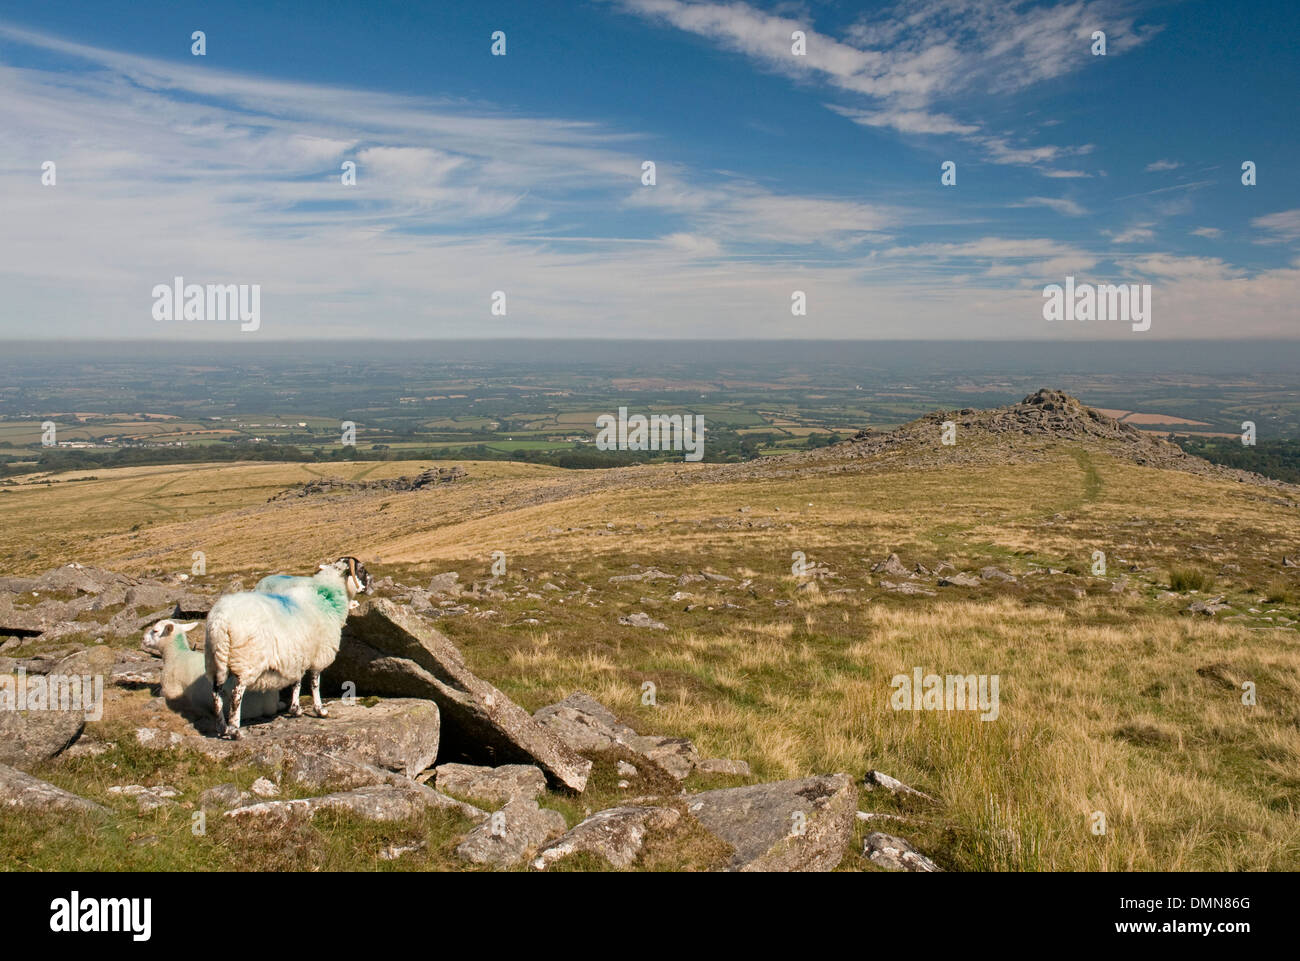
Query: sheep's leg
{"x": 295, "y": 709}
{"x": 219, "y": 709}
{"x": 236, "y": 702}
{"x": 315, "y": 695}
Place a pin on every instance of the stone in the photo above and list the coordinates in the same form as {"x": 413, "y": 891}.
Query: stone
{"x": 959, "y": 580}
{"x": 893, "y": 566}
{"x": 505, "y": 837}
{"x": 265, "y": 788}
{"x": 626, "y": 770}
{"x": 376, "y": 802}
{"x": 996, "y": 574}
{"x": 799, "y": 825}
{"x": 221, "y": 797}
{"x": 445, "y": 584}
{"x": 147, "y": 798}
{"x": 722, "y": 765}
{"x": 389, "y": 651}
{"x": 19, "y": 790}
{"x": 585, "y": 724}
{"x": 1208, "y": 607}
{"x": 895, "y": 854}
{"x": 616, "y": 834}
{"x": 27, "y": 737}
{"x": 642, "y": 619}
{"x": 875, "y": 779}
{"x": 491, "y": 783}
{"x": 402, "y": 734}
{"x": 906, "y": 588}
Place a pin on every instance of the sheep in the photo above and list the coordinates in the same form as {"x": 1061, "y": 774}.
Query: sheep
{"x": 185, "y": 684}
{"x": 267, "y": 640}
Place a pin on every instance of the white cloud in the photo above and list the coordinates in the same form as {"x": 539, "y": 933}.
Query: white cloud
{"x": 1059, "y": 204}
{"x": 1162, "y": 165}
{"x": 1211, "y": 233}
{"x": 1284, "y": 225}
{"x": 1137, "y": 233}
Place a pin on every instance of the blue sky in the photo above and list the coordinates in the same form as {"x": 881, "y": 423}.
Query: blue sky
{"x": 775, "y": 172}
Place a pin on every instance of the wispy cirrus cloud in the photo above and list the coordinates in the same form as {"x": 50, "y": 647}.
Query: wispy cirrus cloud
{"x": 909, "y": 60}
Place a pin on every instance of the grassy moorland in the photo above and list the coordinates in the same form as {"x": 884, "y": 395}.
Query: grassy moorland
{"x": 1113, "y": 699}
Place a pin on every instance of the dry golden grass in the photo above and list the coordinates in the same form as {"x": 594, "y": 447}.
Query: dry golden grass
{"x": 1110, "y": 701}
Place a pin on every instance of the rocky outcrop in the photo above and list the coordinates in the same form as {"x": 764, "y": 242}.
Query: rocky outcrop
{"x": 389, "y": 651}
{"x": 432, "y": 477}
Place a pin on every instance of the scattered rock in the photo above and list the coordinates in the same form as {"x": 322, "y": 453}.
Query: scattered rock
{"x": 959, "y": 580}
{"x": 376, "y": 802}
{"x": 491, "y": 783}
{"x": 221, "y": 797}
{"x": 895, "y": 854}
{"x": 875, "y": 779}
{"x": 996, "y": 574}
{"x": 445, "y": 584}
{"x": 147, "y": 798}
{"x": 1207, "y": 607}
{"x": 641, "y": 619}
{"x": 19, "y": 790}
{"x": 584, "y": 724}
{"x": 801, "y": 825}
{"x": 720, "y": 765}
{"x": 505, "y": 837}
{"x": 616, "y": 834}
{"x": 264, "y": 788}
{"x": 27, "y": 737}
{"x": 892, "y": 565}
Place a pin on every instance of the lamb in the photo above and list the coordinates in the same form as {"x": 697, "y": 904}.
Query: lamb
{"x": 185, "y": 685}
{"x": 266, "y": 640}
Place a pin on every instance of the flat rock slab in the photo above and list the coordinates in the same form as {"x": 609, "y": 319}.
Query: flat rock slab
{"x": 396, "y": 735}
{"x": 801, "y": 825}
{"x": 895, "y": 854}
{"x": 505, "y": 837}
{"x": 584, "y": 724}
{"x": 27, "y": 737}
{"x": 389, "y": 651}
{"x": 616, "y": 834}
{"x": 19, "y": 790}
{"x": 491, "y": 783}
{"x": 376, "y": 802}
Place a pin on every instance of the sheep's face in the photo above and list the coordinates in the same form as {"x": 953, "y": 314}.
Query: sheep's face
{"x": 355, "y": 576}
{"x": 164, "y": 632}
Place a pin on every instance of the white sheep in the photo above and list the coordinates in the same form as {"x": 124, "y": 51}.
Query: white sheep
{"x": 185, "y": 684}
{"x": 269, "y": 640}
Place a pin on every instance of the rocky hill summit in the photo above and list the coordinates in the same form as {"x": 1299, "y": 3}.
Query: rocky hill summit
{"x": 1019, "y": 430}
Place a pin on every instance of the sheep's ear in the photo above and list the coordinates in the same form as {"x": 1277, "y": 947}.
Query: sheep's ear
{"x": 167, "y": 627}
{"x": 186, "y": 628}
